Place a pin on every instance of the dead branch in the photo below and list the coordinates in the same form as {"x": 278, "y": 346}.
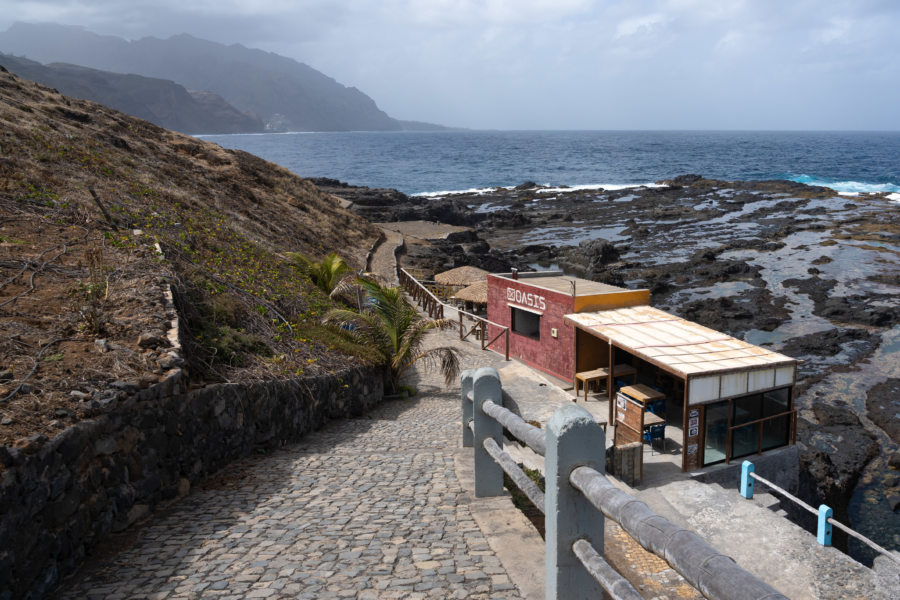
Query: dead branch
{"x": 106, "y": 214}
{"x": 37, "y": 362}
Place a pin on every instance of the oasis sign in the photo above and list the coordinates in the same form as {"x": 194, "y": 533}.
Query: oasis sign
{"x": 526, "y": 298}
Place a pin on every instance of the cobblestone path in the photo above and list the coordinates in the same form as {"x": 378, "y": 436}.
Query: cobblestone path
{"x": 365, "y": 508}
{"x": 383, "y": 261}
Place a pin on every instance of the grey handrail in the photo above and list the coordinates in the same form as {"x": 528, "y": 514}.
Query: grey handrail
{"x": 714, "y": 574}
{"x": 522, "y": 481}
{"x": 575, "y": 489}
{"x": 617, "y": 586}
{"x": 530, "y": 435}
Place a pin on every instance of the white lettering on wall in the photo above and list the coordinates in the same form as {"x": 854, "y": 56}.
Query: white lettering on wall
{"x": 526, "y": 298}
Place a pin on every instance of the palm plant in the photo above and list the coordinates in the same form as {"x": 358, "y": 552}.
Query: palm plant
{"x": 326, "y": 273}
{"x": 393, "y": 327}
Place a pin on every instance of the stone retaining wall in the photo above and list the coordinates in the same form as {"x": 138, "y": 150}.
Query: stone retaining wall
{"x": 60, "y": 497}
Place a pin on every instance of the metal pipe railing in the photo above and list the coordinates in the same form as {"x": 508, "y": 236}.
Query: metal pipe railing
{"x": 824, "y": 512}
{"x": 785, "y": 493}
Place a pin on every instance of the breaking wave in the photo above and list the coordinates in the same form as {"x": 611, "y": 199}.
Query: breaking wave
{"x": 542, "y": 190}
{"x": 847, "y": 187}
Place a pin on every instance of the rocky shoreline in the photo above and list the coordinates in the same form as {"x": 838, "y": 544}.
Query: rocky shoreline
{"x": 796, "y": 268}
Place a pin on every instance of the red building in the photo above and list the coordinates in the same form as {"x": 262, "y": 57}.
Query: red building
{"x": 533, "y": 305}
{"x": 721, "y": 398}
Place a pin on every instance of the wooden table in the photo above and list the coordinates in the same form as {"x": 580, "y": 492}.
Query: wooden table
{"x": 642, "y": 393}
{"x": 651, "y": 419}
{"x": 588, "y": 377}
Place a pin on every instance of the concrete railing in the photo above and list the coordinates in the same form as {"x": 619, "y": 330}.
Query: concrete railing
{"x": 578, "y": 497}
{"x": 824, "y": 512}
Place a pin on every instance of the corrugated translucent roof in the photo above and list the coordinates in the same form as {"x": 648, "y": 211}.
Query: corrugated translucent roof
{"x": 676, "y": 344}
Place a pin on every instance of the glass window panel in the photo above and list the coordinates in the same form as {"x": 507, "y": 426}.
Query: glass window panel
{"x": 715, "y": 433}
{"x": 747, "y": 408}
{"x": 526, "y": 323}
{"x": 776, "y": 402}
{"x": 745, "y": 440}
{"x": 776, "y": 432}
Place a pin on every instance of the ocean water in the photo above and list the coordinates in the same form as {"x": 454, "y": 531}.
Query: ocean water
{"x": 434, "y": 162}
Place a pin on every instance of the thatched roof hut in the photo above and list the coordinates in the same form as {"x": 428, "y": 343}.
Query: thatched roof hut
{"x": 477, "y": 293}
{"x": 461, "y": 276}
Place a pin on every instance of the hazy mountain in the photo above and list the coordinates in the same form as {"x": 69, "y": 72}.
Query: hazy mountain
{"x": 159, "y": 101}
{"x": 422, "y": 126}
{"x": 284, "y": 93}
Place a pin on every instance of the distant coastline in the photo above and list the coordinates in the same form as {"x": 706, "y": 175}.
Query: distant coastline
{"x": 433, "y": 162}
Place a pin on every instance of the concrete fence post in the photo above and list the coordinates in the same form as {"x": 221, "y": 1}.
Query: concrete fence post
{"x": 574, "y": 439}
{"x": 823, "y": 535}
{"x": 488, "y": 474}
{"x": 465, "y": 387}
{"x": 746, "y": 480}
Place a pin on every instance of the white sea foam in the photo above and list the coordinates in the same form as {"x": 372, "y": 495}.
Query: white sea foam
{"x": 895, "y": 197}
{"x": 477, "y": 191}
{"x": 543, "y": 190}
{"x": 253, "y": 134}
{"x": 598, "y": 186}
{"x": 847, "y": 188}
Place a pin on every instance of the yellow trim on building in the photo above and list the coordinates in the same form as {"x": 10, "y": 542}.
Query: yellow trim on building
{"x": 610, "y": 300}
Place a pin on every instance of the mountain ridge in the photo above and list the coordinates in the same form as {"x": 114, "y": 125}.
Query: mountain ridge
{"x": 160, "y": 101}
{"x": 285, "y": 94}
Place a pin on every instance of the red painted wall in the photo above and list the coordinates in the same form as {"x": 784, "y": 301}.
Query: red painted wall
{"x": 553, "y": 355}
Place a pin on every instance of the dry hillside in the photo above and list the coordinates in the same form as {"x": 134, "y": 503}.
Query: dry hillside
{"x": 86, "y": 193}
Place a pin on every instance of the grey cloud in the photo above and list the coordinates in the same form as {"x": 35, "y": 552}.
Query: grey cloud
{"x": 560, "y": 64}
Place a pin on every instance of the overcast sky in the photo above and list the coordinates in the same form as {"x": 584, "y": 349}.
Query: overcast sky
{"x": 559, "y": 64}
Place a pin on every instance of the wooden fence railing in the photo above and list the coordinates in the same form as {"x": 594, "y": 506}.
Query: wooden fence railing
{"x": 480, "y": 327}
{"x": 432, "y": 305}
{"x": 422, "y": 295}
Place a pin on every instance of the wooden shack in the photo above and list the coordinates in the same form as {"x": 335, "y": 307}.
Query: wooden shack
{"x": 732, "y": 398}
{"x": 473, "y": 298}
{"x": 448, "y": 283}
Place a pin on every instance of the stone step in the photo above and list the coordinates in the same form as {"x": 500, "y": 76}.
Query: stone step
{"x": 766, "y": 499}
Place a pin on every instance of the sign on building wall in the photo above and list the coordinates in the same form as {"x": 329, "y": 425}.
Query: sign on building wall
{"x": 528, "y": 299}
{"x": 692, "y": 439}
